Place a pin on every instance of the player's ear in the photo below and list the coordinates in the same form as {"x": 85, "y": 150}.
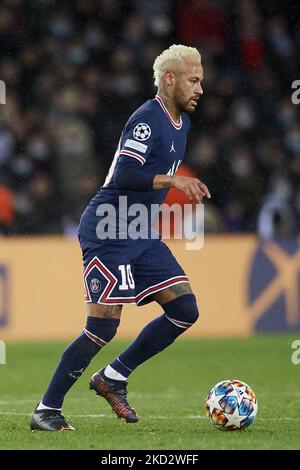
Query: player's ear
{"x": 169, "y": 77}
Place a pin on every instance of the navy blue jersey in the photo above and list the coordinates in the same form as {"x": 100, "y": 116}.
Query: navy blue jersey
{"x": 156, "y": 143}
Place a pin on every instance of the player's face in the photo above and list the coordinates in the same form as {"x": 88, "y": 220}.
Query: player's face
{"x": 187, "y": 87}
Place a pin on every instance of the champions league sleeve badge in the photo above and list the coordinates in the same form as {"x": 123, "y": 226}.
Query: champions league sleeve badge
{"x": 142, "y": 131}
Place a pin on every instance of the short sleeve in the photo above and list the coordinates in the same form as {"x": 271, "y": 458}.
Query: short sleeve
{"x": 139, "y": 136}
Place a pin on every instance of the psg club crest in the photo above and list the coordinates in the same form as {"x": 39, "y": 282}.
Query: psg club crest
{"x": 142, "y": 131}
{"x": 95, "y": 285}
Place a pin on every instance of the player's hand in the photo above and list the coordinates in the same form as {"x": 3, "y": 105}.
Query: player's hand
{"x": 192, "y": 187}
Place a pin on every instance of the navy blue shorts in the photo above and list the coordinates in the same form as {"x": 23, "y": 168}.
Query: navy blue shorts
{"x": 113, "y": 276}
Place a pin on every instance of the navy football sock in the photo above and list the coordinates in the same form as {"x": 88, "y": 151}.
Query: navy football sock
{"x": 77, "y": 356}
{"x": 158, "y": 334}
{"x": 155, "y": 337}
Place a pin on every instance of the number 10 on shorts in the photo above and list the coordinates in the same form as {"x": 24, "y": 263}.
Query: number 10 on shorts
{"x": 127, "y": 278}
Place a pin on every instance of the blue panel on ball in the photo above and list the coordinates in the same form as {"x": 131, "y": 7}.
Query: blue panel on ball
{"x": 246, "y": 422}
{"x": 228, "y": 404}
{"x": 223, "y": 389}
{"x": 246, "y": 407}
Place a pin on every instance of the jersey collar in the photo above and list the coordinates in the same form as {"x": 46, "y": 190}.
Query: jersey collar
{"x": 163, "y": 107}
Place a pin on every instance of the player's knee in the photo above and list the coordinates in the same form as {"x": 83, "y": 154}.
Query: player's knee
{"x": 182, "y": 311}
{"x": 101, "y": 330}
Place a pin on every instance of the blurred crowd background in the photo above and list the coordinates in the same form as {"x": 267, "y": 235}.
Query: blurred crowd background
{"x": 75, "y": 71}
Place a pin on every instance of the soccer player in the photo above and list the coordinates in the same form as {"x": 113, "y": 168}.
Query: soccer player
{"x": 121, "y": 268}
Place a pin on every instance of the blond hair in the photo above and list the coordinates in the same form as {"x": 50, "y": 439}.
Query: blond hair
{"x": 170, "y": 59}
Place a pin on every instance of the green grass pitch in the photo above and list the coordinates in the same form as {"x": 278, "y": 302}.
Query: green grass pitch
{"x": 168, "y": 392}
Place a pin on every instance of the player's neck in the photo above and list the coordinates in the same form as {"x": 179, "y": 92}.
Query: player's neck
{"x": 171, "y": 107}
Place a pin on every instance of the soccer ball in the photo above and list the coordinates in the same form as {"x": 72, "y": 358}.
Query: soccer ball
{"x": 231, "y": 405}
